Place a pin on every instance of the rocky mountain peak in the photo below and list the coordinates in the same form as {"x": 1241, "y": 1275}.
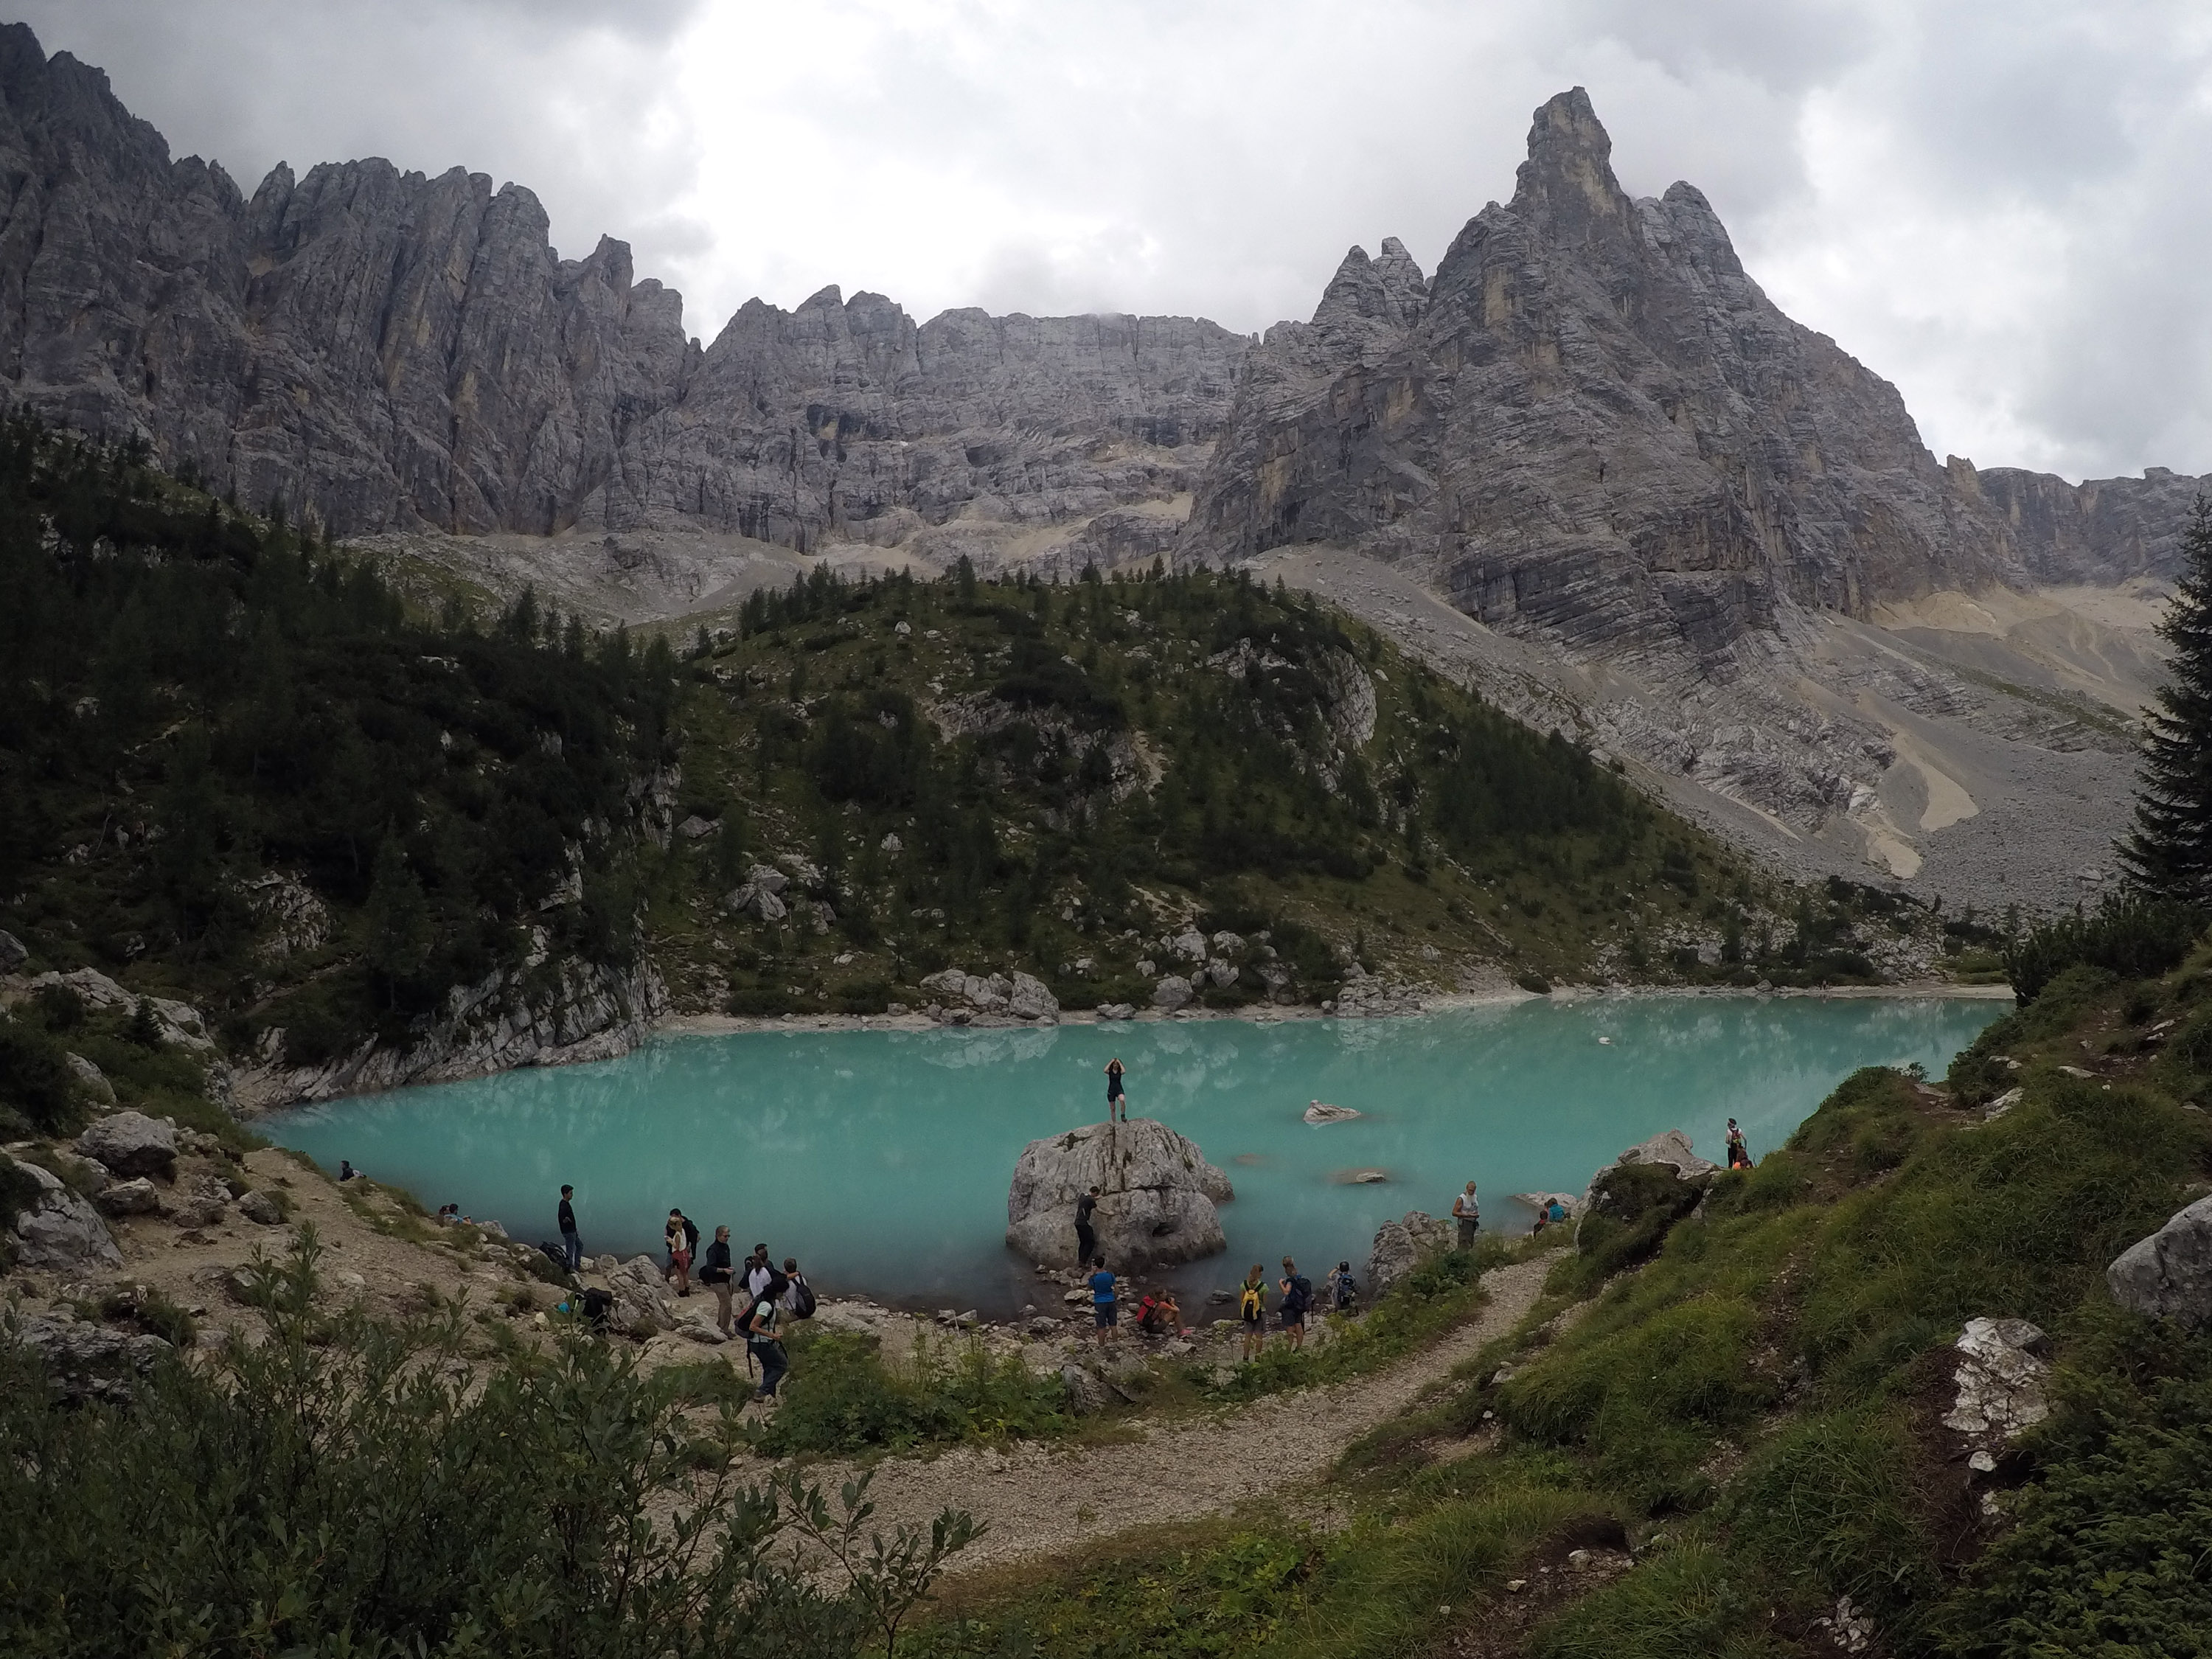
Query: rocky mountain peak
{"x": 1401, "y": 278}
{"x": 1566, "y": 185}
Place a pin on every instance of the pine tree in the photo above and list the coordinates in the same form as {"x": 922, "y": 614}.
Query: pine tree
{"x": 2170, "y": 852}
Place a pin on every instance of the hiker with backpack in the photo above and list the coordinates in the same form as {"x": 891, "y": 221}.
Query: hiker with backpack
{"x": 764, "y": 1342}
{"x": 1739, "y": 1154}
{"x": 797, "y": 1298}
{"x": 715, "y": 1274}
{"x": 1252, "y": 1308}
{"x": 1343, "y": 1292}
{"x": 1297, "y": 1299}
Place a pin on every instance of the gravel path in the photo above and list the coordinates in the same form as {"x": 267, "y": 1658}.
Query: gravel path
{"x": 1040, "y": 1500}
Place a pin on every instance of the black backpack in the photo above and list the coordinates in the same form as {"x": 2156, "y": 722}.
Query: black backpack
{"x": 1301, "y": 1296}
{"x": 597, "y": 1303}
{"x": 802, "y": 1305}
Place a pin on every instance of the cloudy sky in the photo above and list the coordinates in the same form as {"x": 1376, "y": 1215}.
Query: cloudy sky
{"x": 2004, "y": 205}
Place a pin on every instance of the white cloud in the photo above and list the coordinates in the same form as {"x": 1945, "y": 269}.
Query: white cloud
{"x": 1997, "y": 206}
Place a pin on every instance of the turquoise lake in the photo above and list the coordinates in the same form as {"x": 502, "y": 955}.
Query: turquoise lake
{"x": 880, "y": 1159}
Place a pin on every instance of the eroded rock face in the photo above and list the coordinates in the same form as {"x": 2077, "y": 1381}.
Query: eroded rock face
{"x": 128, "y": 1144}
{"x": 1156, "y": 1201}
{"x": 1402, "y": 1246}
{"x": 91, "y": 1362}
{"x": 2169, "y": 1274}
{"x": 1999, "y": 1382}
{"x": 59, "y": 1231}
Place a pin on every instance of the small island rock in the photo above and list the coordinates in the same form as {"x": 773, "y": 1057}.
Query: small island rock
{"x": 1322, "y": 1112}
{"x": 1156, "y": 1201}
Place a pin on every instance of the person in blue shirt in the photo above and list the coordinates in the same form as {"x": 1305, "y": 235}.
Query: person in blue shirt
{"x": 1104, "y": 1310}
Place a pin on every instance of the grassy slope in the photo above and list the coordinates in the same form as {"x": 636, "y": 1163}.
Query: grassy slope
{"x": 1756, "y": 1407}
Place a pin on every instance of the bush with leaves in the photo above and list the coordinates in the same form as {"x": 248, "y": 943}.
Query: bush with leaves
{"x": 351, "y": 1486}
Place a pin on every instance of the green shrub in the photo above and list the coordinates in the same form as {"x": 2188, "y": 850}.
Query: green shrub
{"x": 354, "y": 1486}
{"x": 1688, "y": 1602}
{"x": 35, "y": 1078}
{"x": 2129, "y": 935}
{"x": 844, "y": 1396}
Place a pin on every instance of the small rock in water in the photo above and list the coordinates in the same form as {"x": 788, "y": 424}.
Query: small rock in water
{"x": 1360, "y": 1178}
{"x": 1321, "y": 1112}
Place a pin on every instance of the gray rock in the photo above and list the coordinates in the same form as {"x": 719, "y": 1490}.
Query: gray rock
{"x": 1321, "y": 1112}
{"x": 90, "y": 1078}
{"x": 1222, "y": 973}
{"x": 59, "y": 1231}
{"x": 694, "y": 827}
{"x": 1172, "y": 992}
{"x": 1087, "y": 1396}
{"x": 1402, "y": 1246}
{"x": 1671, "y": 1148}
{"x": 1030, "y": 999}
{"x": 131, "y": 1144}
{"x": 136, "y": 1197}
{"x": 260, "y": 1209}
{"x": 88, "y": 1361}
{"x": 1999, "y": 1382}
{"x": 1117, "y": 1010}
{"x": 2168, "y": 1275}
{"x": 1158, "y": 1200}
{"x": 642, "y": 1303}
{"x": 13, "y": 955}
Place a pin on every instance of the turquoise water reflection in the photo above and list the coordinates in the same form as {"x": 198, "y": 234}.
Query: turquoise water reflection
{"x": 880, "y": 1159}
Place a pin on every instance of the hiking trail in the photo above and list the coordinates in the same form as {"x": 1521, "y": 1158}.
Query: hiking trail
{"x": 1039, "y": 1499}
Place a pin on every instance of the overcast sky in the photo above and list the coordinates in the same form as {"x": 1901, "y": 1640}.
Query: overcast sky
{"x": 2004, "y": 207}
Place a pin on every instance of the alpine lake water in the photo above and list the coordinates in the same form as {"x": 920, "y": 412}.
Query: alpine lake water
{"x": 880, "y": 1159}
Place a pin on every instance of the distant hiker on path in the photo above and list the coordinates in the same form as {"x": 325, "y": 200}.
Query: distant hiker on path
{"x": 1468, "y": 1214}
{"x": 682, "y": 1238}
{"x": 1114, "y": 1098}
{"x": 1086, "y": 1241}
{"x": 1252, "y": 1308}
{"x": 1105, "y": 1313}
{"x": 572, "y": 1246}
{"x": 716, "y": 1275}
{"x": 1297, "y": 1297}
{"x": 1739, "y": 1155}
{"x": 764, "y": 1343}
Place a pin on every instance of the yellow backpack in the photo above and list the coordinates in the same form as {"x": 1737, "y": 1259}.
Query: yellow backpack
{"x": 1251, "y": 1304}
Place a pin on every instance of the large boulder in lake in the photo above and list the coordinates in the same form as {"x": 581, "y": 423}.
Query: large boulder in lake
{"x": 1157, "y": 1194}
{"x": 2169, "y": 1274}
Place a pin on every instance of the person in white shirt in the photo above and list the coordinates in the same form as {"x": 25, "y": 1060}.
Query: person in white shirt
{"x": 1468, "y": 1214}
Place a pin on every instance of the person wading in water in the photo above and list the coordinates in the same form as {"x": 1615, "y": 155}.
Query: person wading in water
{"x": 1115, "y": 1100}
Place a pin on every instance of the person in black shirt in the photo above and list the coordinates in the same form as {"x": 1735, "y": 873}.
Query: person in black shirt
{"x": 716, "y": 1276}
{"x": 569, "y": 1241}
{"x": 1086, "y": 1241}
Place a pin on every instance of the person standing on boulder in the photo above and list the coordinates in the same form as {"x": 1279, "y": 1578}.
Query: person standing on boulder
{"x": 716, "y": 1274}
{"x": 1114, "y": 1098}
{"x": 1087, "y": 1240}
{"x": 1468, "y": 1214}
{"x": 571, "y": 1245}
{"x": 1105, "y": 1311}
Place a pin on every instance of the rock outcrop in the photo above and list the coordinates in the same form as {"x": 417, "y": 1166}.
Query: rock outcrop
{"x": 90, "y": 1362}
{"x": 58, "y": 1230}
{"x": 960, "y": 997}
{"x": 130, "y": 1144}
{"x": 1402, "y": 1246}
{"x": 2169, "y": 1274}
{"x": 1156, "y": 1201}
{"x": 1671, "y": 1149}
{"x": 1999, "y": 1383}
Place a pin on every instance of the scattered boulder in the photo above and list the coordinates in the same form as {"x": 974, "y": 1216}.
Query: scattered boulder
{"x": 131, "y": 1144}
{"x": 58, "y": 1230}
{"x": 1172, "y": 992}
{"x": 1671, "y": 1149}
{"x": 1321, "y": 1112}
{"x": 642, "y": 1304}
{"x": 1086, "y": 1395}
{"x": 202, "y": 1205}
{"x": 1117, "y": 1010}
{"x": 2168, "y": 1275}
{"x": 1030, "y": 999}
{"x": 755, "y": 900}
{"x": 694, "y": 827}
{"x": 1360, "y": 1178}
{"x": 138, "y": 1196}
{"x": 178, "y": 1023}
{"x": 954, "y": 992}
{"x": 1402, "y": 1246}
{"x": 88, "y": 1361}
{"x": 1157, "y": 1206}
{"x": 1220, "y": 974}
{"x": 1999, "y": 1382}
{"x": 1189, "y": 945}
{"x": 13, "y": 954}
{"x": 90, "y": 1078}
{"x": 260, "y": 1209}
